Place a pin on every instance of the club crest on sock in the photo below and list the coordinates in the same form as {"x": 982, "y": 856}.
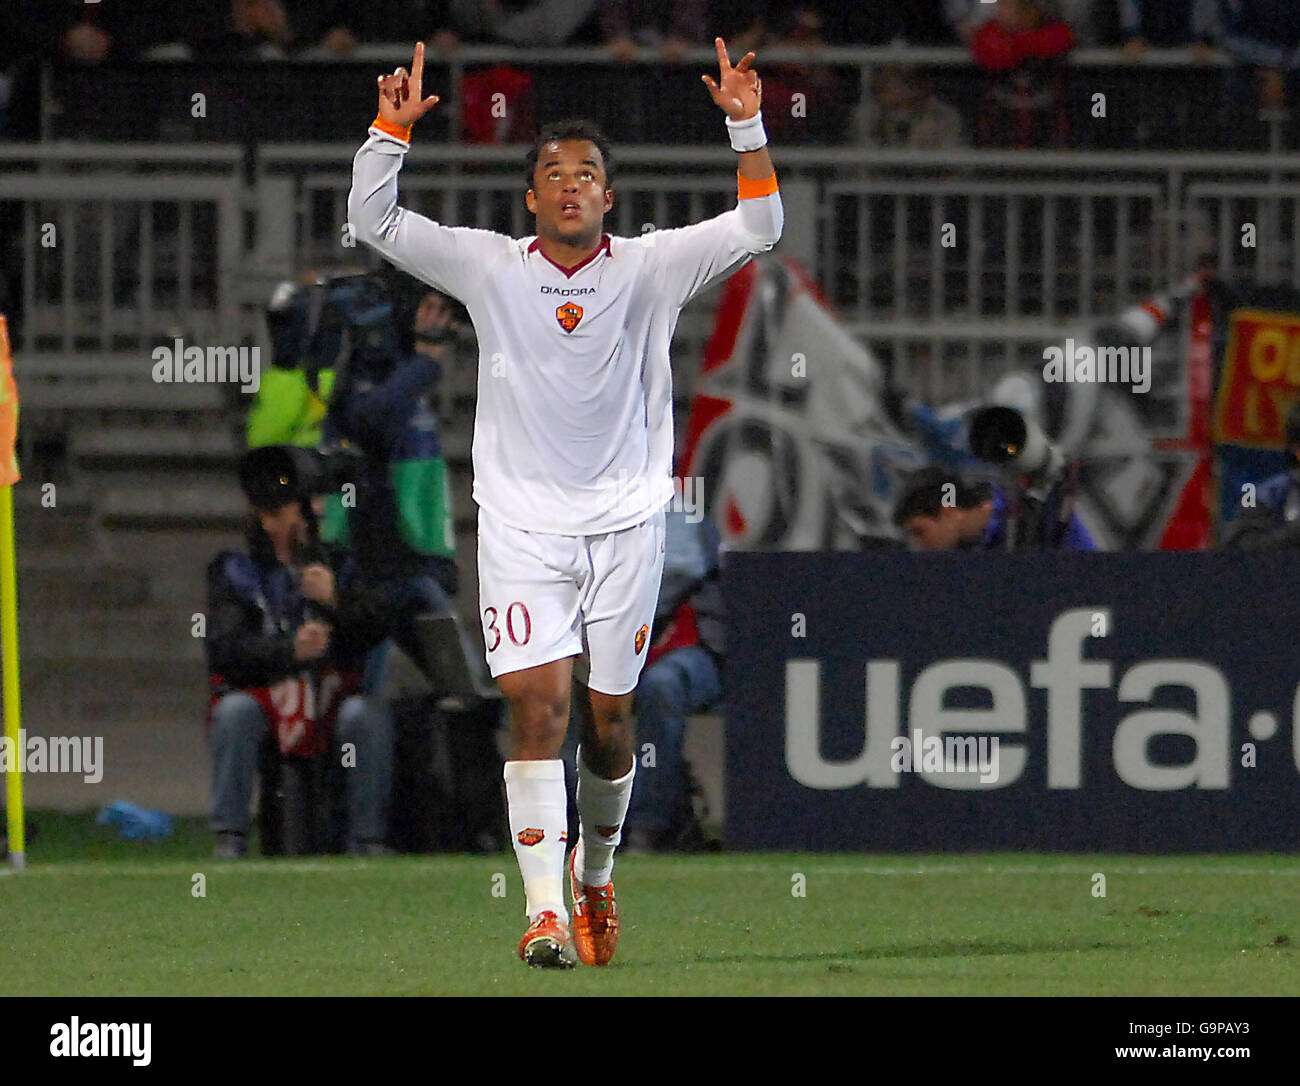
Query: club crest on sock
{"x": 530, "y": 836}
{"x": 608, "y": 831}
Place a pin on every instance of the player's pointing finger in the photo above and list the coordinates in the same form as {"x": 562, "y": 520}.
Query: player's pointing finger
{"x": 723, "y": 62}
{"x": 417, "y": 65}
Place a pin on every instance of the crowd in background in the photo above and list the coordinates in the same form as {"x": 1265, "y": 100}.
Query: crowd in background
{"x": 1262, "y": 32}
{"x": 1023, "y": 98}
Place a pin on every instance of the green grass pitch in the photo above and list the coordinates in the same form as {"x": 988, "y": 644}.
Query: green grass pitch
{"x": 96, "y": 915}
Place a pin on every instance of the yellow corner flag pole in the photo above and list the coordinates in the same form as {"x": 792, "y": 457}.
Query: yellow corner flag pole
{"x": 9, "y": 600}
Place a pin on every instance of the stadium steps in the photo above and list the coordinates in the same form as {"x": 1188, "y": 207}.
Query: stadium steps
{"x": 67, "y": 529}
{"x": 220, "y": 505}
{"x": 58, "y": 580}
{"x": 71, "y": 693}
{"x": 111, "y": 445}
{"x": 153, "y": 631}
{"x": 119, "y": 394}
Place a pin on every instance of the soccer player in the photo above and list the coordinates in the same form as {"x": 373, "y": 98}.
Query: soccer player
{"x": 573, "y": 444}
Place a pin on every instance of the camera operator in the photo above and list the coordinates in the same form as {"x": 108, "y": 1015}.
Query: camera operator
{"x": 938, "y": 510}
{"x": 400, "y": 530}
{"x": 288, "y": 630}
{"x": 1272, "y": 519}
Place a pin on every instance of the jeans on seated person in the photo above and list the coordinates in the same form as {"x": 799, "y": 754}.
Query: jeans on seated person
{"x": 239, "y": 729}
{"x": 685, "y": 681}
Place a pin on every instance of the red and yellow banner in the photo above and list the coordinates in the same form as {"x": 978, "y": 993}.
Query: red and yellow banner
{"x": 8, "y": 411}
{"x": 1261, "y": 379}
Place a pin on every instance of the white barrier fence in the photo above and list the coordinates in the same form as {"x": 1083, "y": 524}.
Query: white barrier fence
{"x": 955, "y": 264}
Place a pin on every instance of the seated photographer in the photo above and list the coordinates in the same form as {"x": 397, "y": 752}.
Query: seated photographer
{"x": 288, "y": 632}
{"x": 938, "y": 510}
{"x": 1271, "y": 518}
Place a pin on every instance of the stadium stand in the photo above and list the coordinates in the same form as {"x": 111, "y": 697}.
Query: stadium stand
{"x": 176, "y": 225}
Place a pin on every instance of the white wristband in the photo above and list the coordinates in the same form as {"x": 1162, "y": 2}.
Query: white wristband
{"x": 747, "y": 135}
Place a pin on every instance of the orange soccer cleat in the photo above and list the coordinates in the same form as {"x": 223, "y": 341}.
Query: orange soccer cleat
{"x": 595, "y": 918}
{"x": 547, "y": 943}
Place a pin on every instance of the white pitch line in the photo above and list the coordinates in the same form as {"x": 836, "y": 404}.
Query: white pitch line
{"x": 278, "y": 867}
{"x": 173, "y": 867}
{"x": 989, "y": 870}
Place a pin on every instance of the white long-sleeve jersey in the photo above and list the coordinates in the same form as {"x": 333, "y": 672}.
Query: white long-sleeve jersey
{"x": 573, "y": 432}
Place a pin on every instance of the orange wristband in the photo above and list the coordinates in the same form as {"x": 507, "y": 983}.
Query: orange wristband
{"x": 749, "y": 189}
{"x": 390, "y": 129}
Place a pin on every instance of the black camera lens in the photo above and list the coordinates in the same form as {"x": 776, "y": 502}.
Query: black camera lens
{"x": 997, "y": 434}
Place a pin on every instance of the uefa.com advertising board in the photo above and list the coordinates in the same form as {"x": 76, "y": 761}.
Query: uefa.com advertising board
{"x": 1142, "y": 703}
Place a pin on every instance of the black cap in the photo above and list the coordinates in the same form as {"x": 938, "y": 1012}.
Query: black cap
{"x": 269, "y": 477}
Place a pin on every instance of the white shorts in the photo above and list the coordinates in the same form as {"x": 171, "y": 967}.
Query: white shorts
{"x": 543, "y": 597}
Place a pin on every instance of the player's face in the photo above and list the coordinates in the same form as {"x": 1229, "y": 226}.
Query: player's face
{"x": 941, "y": 533}
{"x": 569, "y": 196}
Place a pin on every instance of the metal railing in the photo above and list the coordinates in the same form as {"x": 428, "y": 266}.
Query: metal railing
{"x": 116, "y": 246}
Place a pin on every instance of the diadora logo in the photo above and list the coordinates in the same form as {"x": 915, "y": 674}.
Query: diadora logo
{"x": 569, "y": 315}
{"x": 567, "y": 292}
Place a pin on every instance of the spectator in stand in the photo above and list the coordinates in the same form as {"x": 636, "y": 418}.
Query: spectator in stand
{"x": 1022, "y": 49}
{"x": 745, "y": 23}
{"x": 544, "y": 23}
{"x": 338, "y": 26}
{"x": 95, "y": 33}
{"x": 1272, "y": 518}
{"x": 1264, "y": 37}
{"x": 424, "y": 20}
{"x": 801, "y": 102}
{"x": 671, "y": 28}
{"x": 241, "y": 29}
{"x": 1164, "y": 115}
{"x": 22, "y": 42}
{"x": 904, "y": 112}
{"x": 966, "y": 17}
{"x": 333, "y": 25}
{"x": 1167, "y": 24}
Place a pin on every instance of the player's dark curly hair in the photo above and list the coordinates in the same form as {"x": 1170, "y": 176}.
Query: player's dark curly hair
{"x": 571, "y": 130}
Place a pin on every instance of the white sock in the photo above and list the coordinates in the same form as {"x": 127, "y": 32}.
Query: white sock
{"x": 538, "y": 808}
{"x": 602, "y": 806}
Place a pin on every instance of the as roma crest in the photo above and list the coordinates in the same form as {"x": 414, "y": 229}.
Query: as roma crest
{"x": 641, "y": 635}
{"x": 530, "y": 836}
{"x": 568, "y": 315}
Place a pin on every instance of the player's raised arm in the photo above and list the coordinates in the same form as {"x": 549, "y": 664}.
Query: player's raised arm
{"x": 401, "y": 100}
{"x": 448, "y": 258}
{"x": 738, "y": 92}
{"x": 690, "y": 258}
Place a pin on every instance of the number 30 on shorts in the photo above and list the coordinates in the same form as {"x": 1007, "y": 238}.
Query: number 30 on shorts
{"x": 514, "y": 620}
